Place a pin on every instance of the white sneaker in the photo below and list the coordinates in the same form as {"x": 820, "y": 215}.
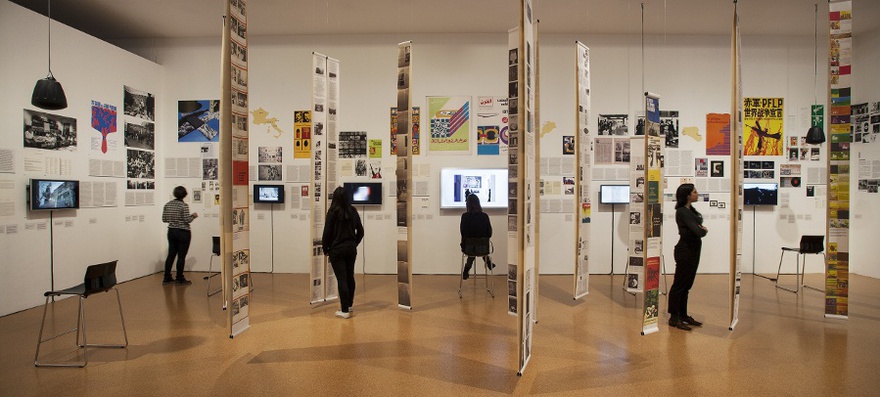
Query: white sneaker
{"x": 343, "y": 314}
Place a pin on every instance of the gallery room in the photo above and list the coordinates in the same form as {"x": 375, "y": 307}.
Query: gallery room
{"x": 627, "y": 155}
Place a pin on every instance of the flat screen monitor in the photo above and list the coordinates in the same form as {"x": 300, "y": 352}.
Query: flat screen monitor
{"x": 53, "y": 194}
{"x": 268, "y": 193}
{"x": 614, "y": 194}
{"x": 364, "y": 193}
{"x": 760, "y": 193}
{"x": 489, "y": 184}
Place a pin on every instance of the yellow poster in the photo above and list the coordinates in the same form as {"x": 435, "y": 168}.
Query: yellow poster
{"x": 374, "y": 148}
{"x": 302, "y": 134}
{"x": 762, "y": 126}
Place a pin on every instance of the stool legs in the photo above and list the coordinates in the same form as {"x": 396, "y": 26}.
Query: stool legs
{"x": 486, "y": 275}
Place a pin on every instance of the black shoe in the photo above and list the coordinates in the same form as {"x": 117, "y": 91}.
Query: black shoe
{"x": 466, "y": 273}
{"x": 679, "y": 323}
{"x": 690, "y": 321}
{"x": 182, "y": 281}
{"x": 168, "y": 281}
{"x": 490, "y": 265}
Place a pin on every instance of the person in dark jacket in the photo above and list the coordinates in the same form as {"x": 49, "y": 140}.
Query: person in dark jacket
{"x": 687, "y": 256}
{"x": 343, "y": 232}
{"x": 474, "y": 223}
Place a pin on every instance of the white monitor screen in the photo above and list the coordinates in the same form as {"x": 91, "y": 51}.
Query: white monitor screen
{"x": 614, "y": 194}
{"x": 489, "y": 184}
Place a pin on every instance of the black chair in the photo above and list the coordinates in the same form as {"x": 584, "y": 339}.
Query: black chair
{"x": 808, "y": 245}
{"x": 215, "y": 251}
{"x": 477, "y": 247}
{"x": 98, "y": 278}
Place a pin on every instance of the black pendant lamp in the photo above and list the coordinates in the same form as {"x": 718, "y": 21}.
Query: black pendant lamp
{"x": 815, "y": 135}
{"x": 48, "y": 93}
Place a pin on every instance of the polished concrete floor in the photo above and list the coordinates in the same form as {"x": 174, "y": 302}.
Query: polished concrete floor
{"x": 450, "y": 346}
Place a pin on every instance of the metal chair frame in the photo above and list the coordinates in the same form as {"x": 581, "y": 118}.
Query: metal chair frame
{"x": 808, "y": 245}
{"x": 477, "y": 247}
{"x": 215, "y": 251}
{"x": 98, "y": 278}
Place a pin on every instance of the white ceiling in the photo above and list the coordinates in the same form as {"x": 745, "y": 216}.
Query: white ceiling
{"x": 114, "y": 20}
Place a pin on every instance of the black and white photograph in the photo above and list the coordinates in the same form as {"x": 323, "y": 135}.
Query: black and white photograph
{"x": 621, "y": 150}
{"x": 49, "y": 131}
{"x": 635, "y": 218}
{"x": 210, "y": 169}
{"x": 352, "y": 144}
{"x": 139, "y": 104}
{"x": 269, "y": 172}
{"x": 140, "y": 136}
{"x": 141, "y": 164}
{"x": 669, "y": 127}
{"x": 613, "y": 124}
{"x": 360, "y": 167}
{"x": 269, "y": 154}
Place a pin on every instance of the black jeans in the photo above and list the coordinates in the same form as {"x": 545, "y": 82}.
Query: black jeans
{"x": 687, "y": 259}
{"x": 178, "y": 245}
{"x": 342, "y": 260}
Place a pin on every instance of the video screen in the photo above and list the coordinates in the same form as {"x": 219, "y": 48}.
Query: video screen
{"x": 489, "y": 184}
{"x": 364, "y": 193}
{"x": 54, "y": 194}
{"x": 614, "y": 194}
{"x": 760, "y": 193}
{"x": 268, "y": 193}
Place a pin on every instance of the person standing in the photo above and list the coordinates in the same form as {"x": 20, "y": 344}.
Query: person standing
{"x": 343, "y": 232}
{"x": 176, "y": 214}
{"x": 687, "y": 256}
{"x": 474, "y": 223}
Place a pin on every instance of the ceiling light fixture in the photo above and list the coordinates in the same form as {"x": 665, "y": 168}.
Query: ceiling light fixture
{"x": 815, "y": 135}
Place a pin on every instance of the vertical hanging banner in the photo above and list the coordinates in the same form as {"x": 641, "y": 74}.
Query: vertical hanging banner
{"x": 235, "y": 217}
{"x": 404, "y": 176}
{"x": 331, "y": 149}
{"x": 635, "y": 265}
{"x": 763, "y": 119}
{"x": 513, "y": 259}
{"x": 416, "y": 131}
{"x": 735, "y": 141}
{"x": 584, "y": 159}
{"x": 526, "y": 182}
{"x": 322, "y": 285}
{"x": 837, "y": 212}
{"x": 302, "y": 134}
{"x": 653, "y": 192}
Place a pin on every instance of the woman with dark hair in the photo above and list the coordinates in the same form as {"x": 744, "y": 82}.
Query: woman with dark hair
{"x": 343, "y": 232}
{"x": 474, "y": 223}
{"x": 176, "y": 215}
{"x": 687, "y": 256}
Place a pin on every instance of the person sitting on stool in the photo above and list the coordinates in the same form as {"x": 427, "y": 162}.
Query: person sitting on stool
{"x": 474, "y": 223}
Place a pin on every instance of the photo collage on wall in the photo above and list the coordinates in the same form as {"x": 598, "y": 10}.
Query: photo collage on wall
{"x": 269, "y": 163}
{"x": 49, "y": 131}
{"x": 139, "y": 135}
{"x": 198, "y": 121}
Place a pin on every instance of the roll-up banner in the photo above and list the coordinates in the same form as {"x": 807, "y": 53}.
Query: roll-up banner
{"x": 584, "y": 159}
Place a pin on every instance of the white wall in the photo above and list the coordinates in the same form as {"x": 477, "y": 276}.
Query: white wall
{"x": 690, "y": 73}
{"x": 89, "y": 69}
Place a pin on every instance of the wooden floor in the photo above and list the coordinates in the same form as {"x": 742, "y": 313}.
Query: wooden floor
{"x": 450, "y": 346}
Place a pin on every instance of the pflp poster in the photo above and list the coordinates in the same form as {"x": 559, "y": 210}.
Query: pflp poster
{"x": 302, "y": 134}
{"x": 717, "y": 134}
{"x": 104, "y": 121}
{"x": 763, "y": 126}
{"x": 491, "y": 121}
{"x": 449, "y": 119}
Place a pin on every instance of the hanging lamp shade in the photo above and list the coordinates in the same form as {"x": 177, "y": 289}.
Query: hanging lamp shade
{"x": 48, "y": 94}
{"x": 815, "y": 135}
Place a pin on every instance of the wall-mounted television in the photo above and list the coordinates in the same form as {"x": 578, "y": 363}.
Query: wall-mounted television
{"x": 760, "y": 193}
{"x": 364, "y": 193}
{"x": 53, "y": 194}
{"x": 268, "y": 194}
{"x": 614, "y": 194}
{"x": 489, "y": 184}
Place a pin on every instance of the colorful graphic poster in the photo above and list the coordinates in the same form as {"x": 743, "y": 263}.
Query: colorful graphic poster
{"x": 492, "y": 119}
{"x": 449, "y": 119}
{"x": 416, "y": 131}
{"x": 302, "y": 134}
{"x": 198, "y": 121}
{"x": 374, "y": 148}
{"x": 103, "y": 120}
{"x": 718, "y": 134}
{"x": 762, "y": 126}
